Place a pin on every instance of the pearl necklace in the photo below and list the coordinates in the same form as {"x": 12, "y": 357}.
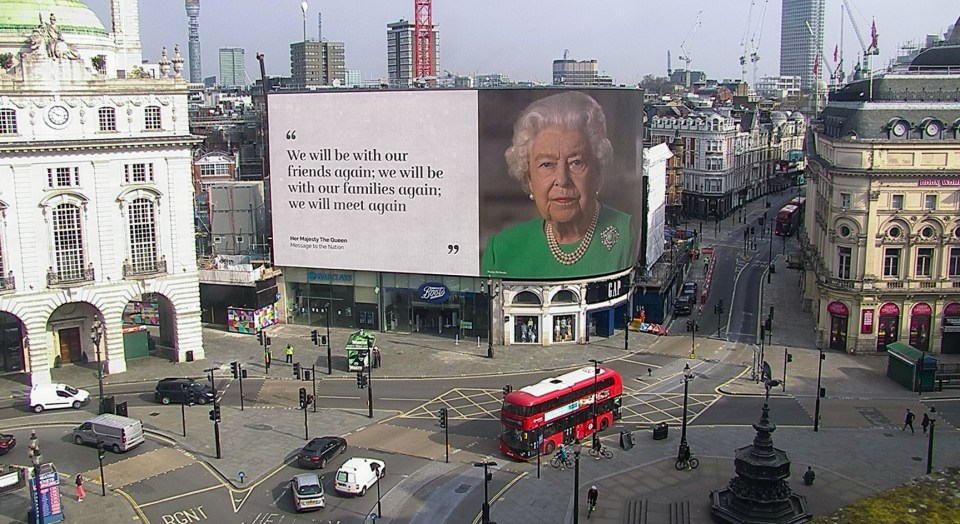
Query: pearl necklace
{"x": 568, "y": 259}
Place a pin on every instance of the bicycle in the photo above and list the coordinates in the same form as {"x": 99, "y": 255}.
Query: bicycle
{"x": 556, "y": 462}
{"x": 591, "y": 507}
{"x": 602, "y": 451}
{"x": 688, "y": 463}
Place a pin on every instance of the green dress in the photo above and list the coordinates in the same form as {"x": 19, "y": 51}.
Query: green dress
{"x": 521, "y": 252}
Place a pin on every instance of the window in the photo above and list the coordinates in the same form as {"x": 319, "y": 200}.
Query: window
{"x": 924, "y": 260}
{"x": 843, "y": 267}
{"x": 8, "y": 122}
{"x": 894, "y": 232}
{"x": 63, "y": 177}
{"x": 954, "y": 262}
{"x": 845, "y": 200}
{"x": 239, "y": 240}
{"x": 137, "y": 173}
{"x": 891, "y": 262}
{"x": 143, "y": 235}
{"x": 896, "y": 201}
{"x": 208, "y": 170}
{"x": 927, "y": 232}
{"x": 68, "y": 242}
{"x": 151, "y": 118}
{"x": 108, "y": 119}
{"x": 930, "y": 202}
{"x": 845, "y": 231}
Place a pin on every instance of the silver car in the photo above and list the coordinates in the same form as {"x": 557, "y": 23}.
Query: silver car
{"x": 307, "y": 492}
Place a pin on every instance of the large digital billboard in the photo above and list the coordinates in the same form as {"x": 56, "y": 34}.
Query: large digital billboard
{"x": 532, "y": 184}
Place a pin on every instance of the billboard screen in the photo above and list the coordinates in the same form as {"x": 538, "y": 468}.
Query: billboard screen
{"x": 533, "y": 184}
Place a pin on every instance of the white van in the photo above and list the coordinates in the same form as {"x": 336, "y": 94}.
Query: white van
{"x": 53, "y": 396}
{"x": 117, "y": 433}
{"x": 357, "y": 475}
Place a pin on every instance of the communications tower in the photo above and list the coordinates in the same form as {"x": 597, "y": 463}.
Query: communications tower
{"x": 193, "y": 41}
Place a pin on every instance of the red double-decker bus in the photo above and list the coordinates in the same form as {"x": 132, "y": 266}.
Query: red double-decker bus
{"x": 788, "y": 220}
{"x": 558, "y": 410}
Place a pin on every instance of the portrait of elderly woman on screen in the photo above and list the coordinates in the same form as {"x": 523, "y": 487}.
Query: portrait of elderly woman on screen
{"x": 558, "y": 156}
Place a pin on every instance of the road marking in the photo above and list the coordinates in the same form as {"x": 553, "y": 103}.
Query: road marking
{"x": 181, "y": 495}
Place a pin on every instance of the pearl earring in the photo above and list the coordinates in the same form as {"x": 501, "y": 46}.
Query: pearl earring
{"x": 530, "y": 196}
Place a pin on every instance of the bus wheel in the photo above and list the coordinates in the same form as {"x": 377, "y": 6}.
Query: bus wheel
{"x": 549, "y": 449}
{"x": 604, "y": 424}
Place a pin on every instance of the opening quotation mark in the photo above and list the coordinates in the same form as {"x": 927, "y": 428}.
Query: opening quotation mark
{"x": 453, "y": 249}
{"x": 292, "y": 134}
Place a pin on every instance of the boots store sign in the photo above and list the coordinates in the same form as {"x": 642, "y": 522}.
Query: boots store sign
{"x": 433, "y": 292}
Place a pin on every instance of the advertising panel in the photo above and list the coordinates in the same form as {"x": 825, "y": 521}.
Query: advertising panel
{"x": 533, "y": 184}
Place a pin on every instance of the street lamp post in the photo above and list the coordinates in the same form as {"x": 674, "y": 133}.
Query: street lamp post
{"x": 576, "y": 483}
{"x": 493, "y": 290}
{"x": 487, "y": 476}
{"x": 329, "y": 352}
{"x": 816, "y": 414}
{"x": 101, "y": 451}
{"x": 376, "y": 467}
{"x": 593, "y": 403}
{"x": 682, "y": 452}
{"x": 37, "y": 459}
{"x": 933, "y": 424}
{"x": 96, "y": 335}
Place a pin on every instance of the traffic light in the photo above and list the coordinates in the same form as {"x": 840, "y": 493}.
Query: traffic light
{"x": 323, "y": 340}
{"x": 315, "y": 337}
{"x": 235, "y": 369}
{"x": 689, "y": 325}
{"x": 507, "y": 389}
{"x": 267, "y": 341}
{"x": 720, "y": 304}
{"x": 215, "y": 413}
{"x": 361, "y": 380}
{"x": 191, "y": 396}
{"x": 296, "y": 370}
{"x": 716, "y": 309}
{"x": 303, "y": 398}
{"x": 753, "y": 230}
{"x": 789, "y": 357}
{"x": 768, "y": 324}
{"x": 442, "y": 415}
{"x": 823, "y": 392}
{"x": 101, "y": 450}
{"x": 260, "y": 337}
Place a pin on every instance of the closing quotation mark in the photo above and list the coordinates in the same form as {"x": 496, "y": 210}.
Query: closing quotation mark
{"x": 292, "y": 134}
{"x": 453, "y": 249}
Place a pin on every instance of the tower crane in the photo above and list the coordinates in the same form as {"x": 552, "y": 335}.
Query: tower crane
{"x": 822, "y": 57}
{"x": 743, "y": 43}
{"x": 685, "y": 56}
{"x": 755, "y": 41}
{"x": 873, "y": 48}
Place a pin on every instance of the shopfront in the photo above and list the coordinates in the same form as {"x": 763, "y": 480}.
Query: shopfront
{"x": 11, "y": 343}
{"x": 839, "y": 318}
{"x": 950, "y": 343}
{"x": 888, "y": 325}
{"x": 920, "y": 326}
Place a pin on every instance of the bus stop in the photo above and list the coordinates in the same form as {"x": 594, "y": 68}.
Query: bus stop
{"x": 359, "y": 347}
{"x": 910, "y": 367}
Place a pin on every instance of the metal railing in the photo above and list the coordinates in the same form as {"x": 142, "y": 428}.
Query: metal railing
{"x": 144, "y": 268}
{"x": 8, "y": 283}
{"x": 69, "y": 278}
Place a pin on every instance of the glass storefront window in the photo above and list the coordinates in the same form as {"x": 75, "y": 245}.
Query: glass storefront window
{"x": 526, "y": 329}
{"x": 563, "y": 328}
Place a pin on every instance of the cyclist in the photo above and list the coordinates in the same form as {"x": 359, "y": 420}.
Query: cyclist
{"x": 684, "y": 454}
{"x": 592, "y": 495}
{"x": 562, "y": 454}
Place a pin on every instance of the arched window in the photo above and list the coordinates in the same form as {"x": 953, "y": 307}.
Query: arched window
{"x": 151, "y": 118}
{"x": 565, "y": 296}
{"x": 141, "y": 215}
{"x": 526, "y": 298}
{"x": 108, "y": 118}
{"x": 68, "y": 242}
{"x": 8, "y": 122}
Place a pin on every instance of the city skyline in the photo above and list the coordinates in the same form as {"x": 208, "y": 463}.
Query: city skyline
{"x": 623, "y": 50}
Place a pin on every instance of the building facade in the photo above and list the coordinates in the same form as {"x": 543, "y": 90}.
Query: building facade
{"x": 315, "y": 64}
{"x": 882, "y": 239}
{"x": 233, "y": 67}
{"x": 579, "y": 73}
{"x": 400, "y": 47}
{"x": 96, "y": 210}
{"x": 798, "y": 47}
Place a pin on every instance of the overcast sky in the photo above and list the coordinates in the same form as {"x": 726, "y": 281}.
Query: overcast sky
{"x": 521, "y": 38}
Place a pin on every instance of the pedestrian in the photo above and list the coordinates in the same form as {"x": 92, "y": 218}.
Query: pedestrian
{"x": 809, "y": 476}
{"x": 34, "y": 444}
{"x": 80, "y": 492}
{"x": 908, "y": 421}
{"x": 376, "y": 357}
{"x": 289, "y": 353}
{"x": 925, "y": 423}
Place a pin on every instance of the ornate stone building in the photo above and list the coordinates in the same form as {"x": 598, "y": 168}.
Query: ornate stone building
{"x": 96, "y": 210}
{"x": 882, "y": 232}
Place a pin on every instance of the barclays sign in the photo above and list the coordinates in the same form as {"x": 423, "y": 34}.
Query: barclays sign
{"x": 433, "y": 292}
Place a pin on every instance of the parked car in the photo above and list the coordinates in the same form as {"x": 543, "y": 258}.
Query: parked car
{"x": 7, "y": 442}
{"x": 175, "y": 389}
{"x": 307, "y": 491}
{"x": 690, "y": 288}
{"x": 53, "y": 396}
{"x": 357, "y": 475}
{"x": 319, "y": 451}
{"x": 683, "y": 305}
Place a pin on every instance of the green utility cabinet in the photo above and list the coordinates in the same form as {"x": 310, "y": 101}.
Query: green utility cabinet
{"x": 910, "y": 367}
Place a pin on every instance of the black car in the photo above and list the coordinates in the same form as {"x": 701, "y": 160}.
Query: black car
{"x": 319, "y": 451}
{"x": 175, "y": 390}
{"x": 683, "y": 305}
{"x": 690, "y": 288}
{"x": 7, "y": 442}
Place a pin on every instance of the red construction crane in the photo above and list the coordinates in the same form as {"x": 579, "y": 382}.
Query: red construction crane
{"x": 423, "y": 44}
